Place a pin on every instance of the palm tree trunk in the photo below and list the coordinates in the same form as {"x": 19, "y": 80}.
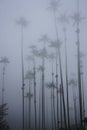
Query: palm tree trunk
{"x": 3, "y": 89}
{"x": 54, "y": 110}
{"x": 64, "y": 108}
{"x": 35, "y": 97}
{"x": 61, "y": 107}
{"x": 57, "y": 89}
{"x": 75, "y": 108}
{"x": 39, "y": 111}
{"x": 22, "y": 77}
{"x": 40, "y": 93}
{"x": 26, "y": 112}
{"x": 53, "y": 97}
{"x": 83, "y": 100}
{"x": 29, "y": 105}
{"x": 67, "y": 79}
{"x": 43, "y": 97}
{"x": 62, "y": 88}
{"x": 78, "y": 63}
{"x": 51, "y": 108}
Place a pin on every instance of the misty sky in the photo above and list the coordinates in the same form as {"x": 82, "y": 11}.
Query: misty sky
{"x": 40, "y": 22}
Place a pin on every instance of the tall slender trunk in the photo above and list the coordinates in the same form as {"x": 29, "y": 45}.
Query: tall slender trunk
{"x": 35, "y": 109}
{"x": 64, "y": 29}
{"x": 43, "y": 97}
{"x": 26, "y": 112}
{"x": 52, "y": 110}
{"x": 22, "y": 77}
{"x": 40, "y": 93}
{"x": 61, "y": 78}
{"x": 83, "y": 98}
{"x": 57, "y": 89}
{"x": 75, "y": 108}
{"x": 78, "y": 64}
{"x": 61, "y": 108}
{"x": 62, "y": 88}
{"x": 29, "y": 104}
{"x": 39, "y": 111}
{"x": 53, "y": 99}
{"x": 3, "y": 81}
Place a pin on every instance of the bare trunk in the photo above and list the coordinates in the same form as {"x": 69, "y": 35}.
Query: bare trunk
{"x": 22, "y": 77}
{"x": 29, "y": 105}
{"x": 67, "y": 80}
{"x": 35, "y": 109}
{"x": 43, "y": 97}
{"x": 61, "y": 78}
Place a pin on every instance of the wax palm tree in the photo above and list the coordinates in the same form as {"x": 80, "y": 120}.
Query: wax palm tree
{"x": 34, "y": 51}
{"x": 4, "y": 61}
{"x": 57, "y": 44}
{"x": 64, "y": 20}
{"x": 51, "y": 58}
{"x": 44, "y": 38}
{"x": 23, "y": 23}
{"x": 43, "y": 54}
{"x": 82, "y": 81}
{"x": 54, "y": 6}
{"x": 29, "y": 76}
{"x": 73, "y": 83}
{"x": 77, "y": 19}
{"x": 61, "y": 107}
{"x": 40, "y": 70}
{"x": 3, "y": 122}
{"x": 52, "y": 86}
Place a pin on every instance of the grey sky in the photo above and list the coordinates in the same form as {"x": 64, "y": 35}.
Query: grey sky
{"x": 41, "y": 22}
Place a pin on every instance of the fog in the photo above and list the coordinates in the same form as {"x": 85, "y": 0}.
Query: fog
{"x": 42, "y": 31}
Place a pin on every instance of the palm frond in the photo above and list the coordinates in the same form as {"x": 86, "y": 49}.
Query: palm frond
{"x": 4, "y": 60}
{"x": 63, "y": 19}
{"x": 29, "y": 58}
{"x": 40, "y": 68}
{"x": 44, "y": 38}
{"x": 51, "y": 56}
{"x": 77, "y": 18}
{"x": 43, "y": 53}
{"x": 29, "y": 75}
{"x": 54, "y": 5}
{"x": 55, "y": 44}
{"x": 29, "y": 95}
{"x": 51, "y": 85}
{"x": 22, "y": 21}
{"x": 73, "y": 82}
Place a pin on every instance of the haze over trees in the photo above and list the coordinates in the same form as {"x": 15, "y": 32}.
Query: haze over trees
{"x": 43, "y": 65}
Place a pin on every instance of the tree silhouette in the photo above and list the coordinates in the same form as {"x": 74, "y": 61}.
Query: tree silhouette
{"x": 40, "y": 70}
{"x": 23, "y": 23}
{"x": 4, "y": 61}
{"x": 64, "y": 20}
{"x": 3, "y": 122}
{"x": 52, "y": 86}
{"x": 54, "y": 6}
{"x": 73, "y": 83}
{"x": 56, "y": 45}
{"x": 29, "y": 76}
{"x": 51, "y": 58}
{"x": 82, "y": 83}
{"x": 43, "y": 54}
{"x": 77, "y": 19}
{"x": 34, "y": 53}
